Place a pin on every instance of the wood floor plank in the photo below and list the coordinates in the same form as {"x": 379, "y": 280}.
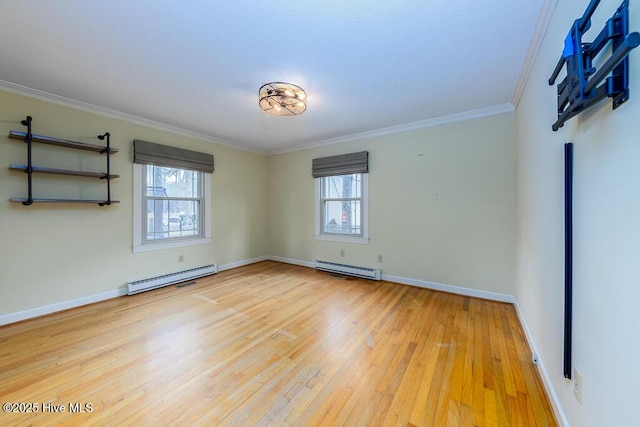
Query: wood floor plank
{"x": 275, "y": 344}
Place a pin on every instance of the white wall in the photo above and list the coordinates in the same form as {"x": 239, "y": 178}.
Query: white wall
{"x": 442, "y": 208}
{"x": 442, "y": 204}
{"x": 56, "y": 253}
{"x": 606, "y": 347}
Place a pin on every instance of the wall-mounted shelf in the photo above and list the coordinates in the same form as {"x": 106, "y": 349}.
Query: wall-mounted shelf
{"x": 100, "y": 175}
{"x": 24, "y": 200}
{"x": 29, "y": 138}
{"x": 22, "y": 136}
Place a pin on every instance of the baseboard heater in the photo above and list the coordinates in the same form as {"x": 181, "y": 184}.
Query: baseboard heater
{"x": 169, "y": 279}
{"x": 349, "y": 270}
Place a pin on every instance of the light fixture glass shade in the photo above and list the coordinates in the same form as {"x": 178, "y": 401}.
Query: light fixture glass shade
{"x": 282, "y": 99}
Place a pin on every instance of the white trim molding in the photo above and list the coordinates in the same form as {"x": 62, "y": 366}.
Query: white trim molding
{"x": 534, "y": 48}
{"x": 106, "y": 112}
{"x": 451, "y": 118}
{"x": 548, "y": 385}
{"x": 242, "y": 263}
{"x": 60, "y": 306}
{"x": 90, "y": 299}
{"x": 64, "y": 305}
{"x": 301, "y": 263}
{"x": 113, "y": 114}
{"x": 469, "y": 292}
{"x": 494, "y": 296}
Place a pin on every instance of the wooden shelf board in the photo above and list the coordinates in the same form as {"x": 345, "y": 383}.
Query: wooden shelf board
{"x": 16, "y": 199}
{"x": 40, "y": 169}
{"x": 14, "y": 134}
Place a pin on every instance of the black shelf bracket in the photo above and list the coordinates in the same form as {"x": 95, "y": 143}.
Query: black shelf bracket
{"x": 584, "y": 85}
{"x": 107, "y": 151}
{"x": 29, "y": 169}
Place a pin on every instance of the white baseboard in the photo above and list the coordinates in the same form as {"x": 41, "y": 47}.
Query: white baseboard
{"x": 494, "y": 296}
{"x": 292, "y": 261}
{"x": 64, "y": 305}
{"x": 477, "y": 293}
{"x": 548, "y": 385}
{"x": 242, "y": 263}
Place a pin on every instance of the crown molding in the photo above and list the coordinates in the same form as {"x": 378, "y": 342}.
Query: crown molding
{"x": 542, "y": 26}
{"x": 452, "y": 118}
{"x": 84, "y": 106}
{"x": 113, "y": 114}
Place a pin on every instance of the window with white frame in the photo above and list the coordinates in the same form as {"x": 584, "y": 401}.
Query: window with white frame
{"x": 171, "y": 203}
{"x": 174, "y": 203}
{"x": 342, "y": 205}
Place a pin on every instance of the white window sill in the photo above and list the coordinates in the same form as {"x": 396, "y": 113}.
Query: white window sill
{"x": 344, "y": 239}
{"x": 156, "y": 246}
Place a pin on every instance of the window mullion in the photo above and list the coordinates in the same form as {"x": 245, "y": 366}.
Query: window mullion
{"x": 187, "y": 199}
{"x": 349, "y": 199}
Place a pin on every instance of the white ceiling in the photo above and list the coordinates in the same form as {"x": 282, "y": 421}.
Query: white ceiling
{"x": 366, "y": 65}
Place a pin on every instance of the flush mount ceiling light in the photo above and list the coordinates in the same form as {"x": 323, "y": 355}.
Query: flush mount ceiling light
{"x": 282, "y": 99}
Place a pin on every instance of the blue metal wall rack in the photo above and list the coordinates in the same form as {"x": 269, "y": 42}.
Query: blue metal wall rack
{"x": 579, "y": 90}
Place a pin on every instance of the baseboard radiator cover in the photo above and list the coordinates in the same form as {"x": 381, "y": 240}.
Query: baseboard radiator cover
{"x": 169, "y": 279}
{"x": 349, "y": 270}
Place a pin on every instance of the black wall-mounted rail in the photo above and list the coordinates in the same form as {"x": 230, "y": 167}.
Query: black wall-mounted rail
{"x": 29, "y": 169}
{"x": 568, "y": 257}
{"x": 579, "y": 90}
{"x": 107, "y": 151}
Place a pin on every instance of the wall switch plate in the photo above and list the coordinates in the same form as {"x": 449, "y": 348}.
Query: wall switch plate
{"x": 577, "y": 385}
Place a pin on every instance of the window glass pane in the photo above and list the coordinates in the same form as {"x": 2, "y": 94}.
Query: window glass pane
{"x": 156, "y": 211}
{"x": 172, "y": 218}
{"x": 170, "y": 182}
{"x": 182, "y": 222}
{"x": 342, "y": 217}
{"x": 342, "y": 186}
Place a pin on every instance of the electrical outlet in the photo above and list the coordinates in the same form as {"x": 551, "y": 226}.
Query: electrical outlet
{"x": 180, "y": 258}
{"x": 577, "y": 385}
{"x": 341, "y": 252}
{"x": 379, "y": 258}
{"x": 534, "y": 358}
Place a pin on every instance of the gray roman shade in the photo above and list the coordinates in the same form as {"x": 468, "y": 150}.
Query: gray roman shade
{"x": 150, "y": 153}
{"x": 343, "y": 164}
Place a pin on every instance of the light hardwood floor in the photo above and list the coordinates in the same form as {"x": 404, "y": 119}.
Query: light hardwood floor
{"x": 275, "y": 344}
